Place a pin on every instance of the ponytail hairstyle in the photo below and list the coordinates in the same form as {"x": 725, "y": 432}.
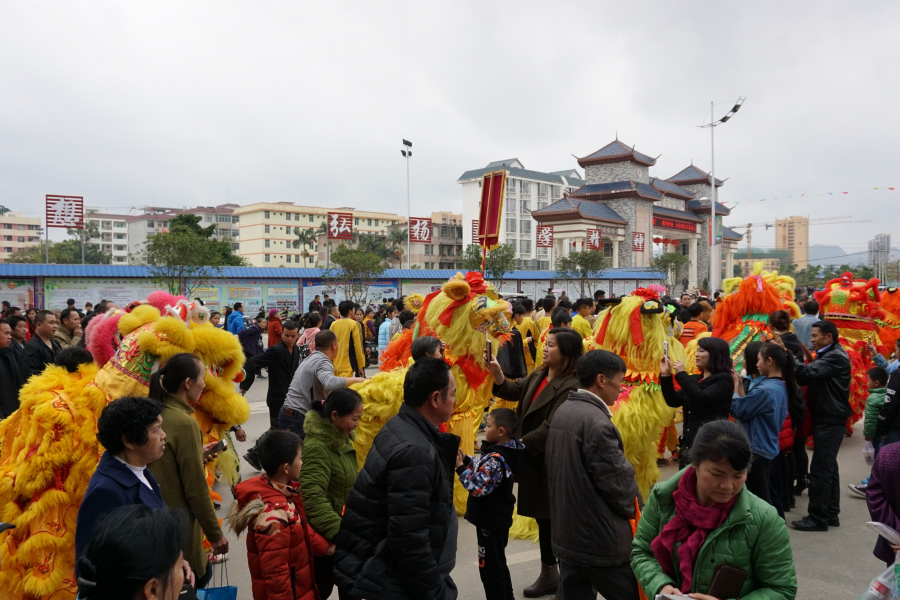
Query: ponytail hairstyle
{"x": 751, "y": 357}
{"x": 129, "y": 547}
{"x": 342, "y": 401}
{"x": 169, "y": 378}
{"x": 784, "y": 361}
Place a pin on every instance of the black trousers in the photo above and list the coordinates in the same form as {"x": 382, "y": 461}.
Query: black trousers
{"x": 758, "y": 477}
{"x": 544, "y": 542}
{"x": 801, "y": 458}
{"x": 824, "y": 479}
{"x": 492, "y": 564}
{"x": 580, "y": 583}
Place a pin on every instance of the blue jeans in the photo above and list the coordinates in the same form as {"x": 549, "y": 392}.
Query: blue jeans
{"x": 292, "y": 422}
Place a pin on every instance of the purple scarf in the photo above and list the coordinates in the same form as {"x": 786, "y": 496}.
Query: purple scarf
{"x": 691, "y": 524}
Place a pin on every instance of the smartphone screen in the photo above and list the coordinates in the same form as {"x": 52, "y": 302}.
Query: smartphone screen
{"x": 488, "y": 353}
{"x": 217, "y": 448}
{"x": 666, "y": 348}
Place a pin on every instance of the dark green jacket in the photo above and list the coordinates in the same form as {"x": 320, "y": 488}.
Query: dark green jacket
{"x": 328, "y": 474}
{"x": 753, "y": 538}
{"x": 182, "y": 478}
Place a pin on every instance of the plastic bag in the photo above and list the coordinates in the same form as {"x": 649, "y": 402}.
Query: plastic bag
{"x": 869, "y": 453}
{"x": 887, "y": 585}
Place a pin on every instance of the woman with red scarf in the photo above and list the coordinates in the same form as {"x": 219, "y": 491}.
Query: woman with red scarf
{"x": 704, "y": 517}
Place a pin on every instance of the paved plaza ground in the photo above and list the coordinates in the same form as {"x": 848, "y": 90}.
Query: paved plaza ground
{"x": 838, "y": 564}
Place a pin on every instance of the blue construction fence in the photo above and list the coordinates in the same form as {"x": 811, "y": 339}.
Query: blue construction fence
{"x": 49, "y": 286}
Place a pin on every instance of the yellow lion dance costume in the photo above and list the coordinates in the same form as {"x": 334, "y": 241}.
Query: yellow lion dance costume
{"x": 461, "y": 314}
{"x": 635, "y": 329}
{"x": 742, "y": 316}
{"x": 50, "y": 448}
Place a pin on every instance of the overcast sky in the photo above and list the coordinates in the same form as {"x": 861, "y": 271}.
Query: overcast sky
{"x": 175, "y": 103}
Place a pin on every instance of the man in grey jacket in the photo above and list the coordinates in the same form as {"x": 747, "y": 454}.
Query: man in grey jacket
{"x": 313, "y": 380}
{"x": 590, "y": 476}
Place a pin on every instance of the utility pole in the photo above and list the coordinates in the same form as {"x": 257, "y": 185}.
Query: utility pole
{"x": 407, "y": 152}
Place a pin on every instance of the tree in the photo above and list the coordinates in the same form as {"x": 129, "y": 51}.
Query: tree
{"x": 67, "y": 252}
{"x": 353, "y": 272}
{"x": 190, "y": 224}
{"x": 181, "y": 261}
{"x": 3, "y": 210}
{"x": 585, "y": 266}
{"x": 395, "y": 241}
{"x": 737, "y": 271}
{"x": 307, "y": 239}
{"x": 673, "y": 264}
{"x": 500, "y": 261}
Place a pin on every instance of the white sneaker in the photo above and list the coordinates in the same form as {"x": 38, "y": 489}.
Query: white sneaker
{"x": 859, "y": 490}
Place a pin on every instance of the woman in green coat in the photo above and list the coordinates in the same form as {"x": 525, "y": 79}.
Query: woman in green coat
{"x": 704, "y": 517}
{"x": 329, "y": 470}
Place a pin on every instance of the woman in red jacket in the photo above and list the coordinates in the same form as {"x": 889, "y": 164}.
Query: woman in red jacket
{"x": 274, "y": 327}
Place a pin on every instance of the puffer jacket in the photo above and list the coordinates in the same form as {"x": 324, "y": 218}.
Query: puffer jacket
{"x": 874, "y": 402}
{"x": 235, "y": 322}
{"x": 328, "y": 473}
{"x": 786, "y": 435}
{"x": 753, "y": 537}
{"x": 828, "y": 378}
{"x": 384, "y": 337}
{"x": 398, "y": 514}
{"x": 280, "y": 543}
{"x": 589, "y": 476}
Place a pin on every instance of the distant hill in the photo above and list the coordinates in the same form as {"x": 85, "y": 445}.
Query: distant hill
{"x": 822, "y": 255}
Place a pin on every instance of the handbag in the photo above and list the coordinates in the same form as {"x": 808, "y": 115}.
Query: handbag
{"x": 222, "y": 591}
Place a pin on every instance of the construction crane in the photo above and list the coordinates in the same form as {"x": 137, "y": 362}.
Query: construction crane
{"x": 819, "y": 221}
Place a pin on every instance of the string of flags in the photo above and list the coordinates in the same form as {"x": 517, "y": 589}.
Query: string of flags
{"x": 813, "y": 195}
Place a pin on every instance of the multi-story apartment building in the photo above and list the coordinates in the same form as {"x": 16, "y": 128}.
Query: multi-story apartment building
{"x": 156, "y": 220}
{"x": 444, "y": 249}
{"x": 18, "y": 232}
{"x": 879, "y": 250}
{"x": 113, "y": 233}
{"x": 268, "y": 231}
{"x": 526, "y": 191}
{"x": 793, "y": 234}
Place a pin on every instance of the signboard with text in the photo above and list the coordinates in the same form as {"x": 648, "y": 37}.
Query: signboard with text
{"x": 340, "y": 226}
{"x": 594, "y": 239}
{"x": 666, "y": 223}
{"x": 545, "y": 236}
{"x": 638, "y": 241}
{"x": 65, "y": 211}
{"x": 419, "y": 229}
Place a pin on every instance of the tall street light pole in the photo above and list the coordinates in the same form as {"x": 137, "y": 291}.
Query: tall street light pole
{"x": 714, "y": 194}
{"x": 407, "y": 152}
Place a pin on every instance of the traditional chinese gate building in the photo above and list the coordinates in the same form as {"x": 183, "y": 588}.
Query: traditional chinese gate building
{"x": 634, "y": 211}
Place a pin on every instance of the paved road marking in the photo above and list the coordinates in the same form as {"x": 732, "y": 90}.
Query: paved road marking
{"x": 520, "y": 557}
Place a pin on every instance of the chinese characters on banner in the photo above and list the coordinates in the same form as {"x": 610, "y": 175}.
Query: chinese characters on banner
{"x": 594, "y": 239}
{"x": 638, "y": 240}
{"x": 340, "y": 226}
{"x": 492, "y": 188}
{"x": 65, "y": 211}
{"x": 545, "y": 236}
{"x": 420, "y": 229}
{"x": 475, "y": 231}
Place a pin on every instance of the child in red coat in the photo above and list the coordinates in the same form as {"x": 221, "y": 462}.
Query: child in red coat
{"x": 280, "y": 543}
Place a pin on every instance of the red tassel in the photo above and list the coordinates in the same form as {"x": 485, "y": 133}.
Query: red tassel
{"x": 637, "y": 334}
{"x": 601, "y": 335}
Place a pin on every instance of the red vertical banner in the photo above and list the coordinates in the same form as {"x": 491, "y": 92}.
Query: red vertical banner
{"x": 419, "y": 229}
{"x": 65, "y": 211}
{"x": 638, "y": 241}
{"x": 545, "y": 236}
{"x": 340, "y": 226}
{"x": 594, "y": 239}
{"x": 493, "y": 186}
{"x": 475, "y": 231}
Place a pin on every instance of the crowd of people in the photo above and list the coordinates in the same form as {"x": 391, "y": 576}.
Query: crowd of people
{"x": 316, "y": 523}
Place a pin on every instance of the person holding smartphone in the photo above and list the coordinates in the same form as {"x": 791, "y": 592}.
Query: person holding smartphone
{"x": 704, "y": 397}
{"x": 702, "y": 533}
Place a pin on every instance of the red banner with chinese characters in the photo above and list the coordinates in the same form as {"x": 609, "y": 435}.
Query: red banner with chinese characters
{"x": 65, "y": 211}
{"x": 475, "y": 231}
{"x": 594, "y": 239}
{"x": 493, "y": 186}
{"x": 665, "y": 223}
{"x": 340, "y": 226}
{"x": 419, "y": 229}
{"x": 638, "y": 241}
{"x": 545, "y": 236}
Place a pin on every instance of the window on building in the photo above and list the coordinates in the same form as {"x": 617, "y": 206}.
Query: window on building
{"x": 7, "y": 238}
{"x": 20, "y": 227}
{"x": 526, "y": 206}
{"x": 511, "y": 205}
{"x": 235, "y": 219}
{"x": 120, "y": 236}
{"x": 510, "y": 225}
{"x": 296, "y": 216}
{"x": 525, "y": 246}
{"x": 34, "y": 238}
{"x": 429, "y": 249}
{"x": 267, "y": 256}
{"x": 510, "y": 186}
{"x": 267, "y": 241}
{"x": 526, "y": 226}
{"x": 267, "y": 227}
{"x": 543, "y": 190}
{"x": 165, "y": 223}
{"x": 122, "y": 248}
{"x": 20, "y": 238}
{"x": 608, "y": 248}
{"x": 541, "y": 205}
{"x": 370, "y": 220}
{"x": 287, "y": 216}
{"x": 376, "y": 222}
{"x": 224, "y": 218}
{"x": 7, "y": 226}
{"x": 525, "y": 187}
{"x": 311, "y": 217}
{"x": 121, "y": 224}
{"x": 543, "y": 251}
{"x": 554, "y": 192}
{"x": 267, "y": 215}
{"x": 287, "y": 258}
{"x": 8, "y": 249}
{"x": 152, "y": 224}
{"x": 356, "y": 220}
{"x": 120, "y": 259}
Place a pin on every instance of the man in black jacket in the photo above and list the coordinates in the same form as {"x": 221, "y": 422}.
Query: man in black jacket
{"x": 282, "y": 360}
{"x": 397, "y": 515}
{"x": 590, "y": 476}
{"x": 888, "y": 426}
{"x": 42, "y": 348}
{"x": 828, "y": 378}
{"x": 10, "y": 373}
